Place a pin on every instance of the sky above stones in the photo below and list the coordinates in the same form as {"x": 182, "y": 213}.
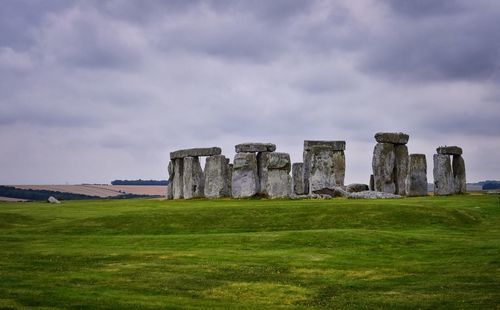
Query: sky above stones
{"x": 96, "y": 90}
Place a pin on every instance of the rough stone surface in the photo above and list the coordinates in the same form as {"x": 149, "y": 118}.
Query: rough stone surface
{"x": 169, "y": 193}
{"x": 383, "y": 167}
{"x": 278, "y": 184}
{"x": 334, "y": 145}
{"x": 443, "y": 178}
{"x": 338, "y": 191}
{"x": 372, "y": 183}
{"x": 449, "y": 150}
{"x": 357, "y": 187}
{"x": 392, "y": 137}
{"x": 322, "y": 168}
{"x": 298, "y": 178}
{"x": 416, "y": 180}
{"x": 245, "y": 179}
{"x": 193, "y": 180}
{"x": 217, "y": 177}
{"x": 229, "y": 177}
{"x": 333, "y": 192}
{"x": 177, "y": 182}
{"x": 262, "y": 166}
{"x": 278, "y": 161}
{"x": 53, "y": 199}
{"x": 339, "y": 167}
{"x": 208, "y": 151}
{"x": 400, "y": 168}
{"x": 255, "y": 147}
{"x": 459, "y": 181}
{"x": 373, "y": 195}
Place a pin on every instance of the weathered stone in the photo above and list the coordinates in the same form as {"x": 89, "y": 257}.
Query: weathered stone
{"x": 229, "y": 177}
{"x": 459, "y": 182}
{"x": 372, "y": 183}
{"x": 217, "y": 177}
{"x": 357, "y": 187}
{"x": 53, "y": 199}
{"x": 334, "y": 145}
{"x": 383, "y": 167}
{"x": 443, "y": 178}
{"x": 372, "y": 195}
{"x": 339, "y": 167}
{"x": 278, "y": 183}
{"x": 255, "y": 147}
{"x": 169, "y": 193}
{"x": 245, "y": 179}
{"x": 392, "y": 137}
{"x": 208, "y": 151}
{"x": 298, "y": 178}
{"x": 193, "y": 180}
{"x": 262, "y": 164}
{"x": 278, "y": 161}
{"x": 322, "y": 168}
{"x": 400, "y": 168}
{"x": 332, "y": 192}
{"x": 449, "y": 150}
{"x": 416, "y": 180}
{"x": 177, "y": 181}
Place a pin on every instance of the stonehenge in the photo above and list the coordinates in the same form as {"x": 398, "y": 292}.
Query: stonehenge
{"x": 449, "y": 171}
{"x": 258, "y": 170}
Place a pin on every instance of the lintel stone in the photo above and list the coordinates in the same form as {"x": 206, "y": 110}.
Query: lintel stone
{"x": 207, "y": 151}
{"x": 255, "y": 147}
{"x": 449, "y": 150}
{"x": 333, "y": 145}
{"x": 392, "y": 137}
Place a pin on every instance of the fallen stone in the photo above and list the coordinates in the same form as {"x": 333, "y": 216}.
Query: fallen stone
{"x": 416, "y": 180}
{"x": 449, "y": 150}
{"x": 333, "y": 192}
{"x": 255, "y": 147}
{"x": 373, "y": 195}
{"x": 400, "y": 168}
{"x": 357, "y": 187}
{"x": 383, "y": 167}
{"x": 194, "y": 181}
{"x": 217, "y": 177}
{"x": 297, "y": 178}
{"x": 392, "y": 137}
{"x": 178, "y": 180}
{"x": 459, "y": 182}
{"x": 53, "y": 199}
{"x": 208, "y": 151}
{"x": 443, "y": 178}
{"x": 245, "y": 179}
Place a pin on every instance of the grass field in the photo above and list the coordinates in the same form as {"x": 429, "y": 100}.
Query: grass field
{"x": 428, "y": 253}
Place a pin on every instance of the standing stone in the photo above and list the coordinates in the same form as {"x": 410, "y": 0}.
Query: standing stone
{"x": 459, "y": 182}
{"x": 416, "y": 180}
{"x": 217, "y": 175}
{"x": 169, "y": 193}
{"x": 262, "y": 163}
{"x": 245, "y": 179}
{"x": 443, "y": 178}
{"x": 278, "y": 183}
{"x": 322, "y": 168}
{"x": 339, "y": 167}
{"x": 372, "y": 183}
{"x": 177, "y": 182}
{"x": 193, "y": 180}
{"x": 383, "y": 167}
{"x": 229, "y": 178}
{"x": 401, "y": 168}
{"x": 297, "y": 178}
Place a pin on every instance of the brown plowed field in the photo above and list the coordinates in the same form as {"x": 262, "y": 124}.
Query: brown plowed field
{"x": 100, "y": 190}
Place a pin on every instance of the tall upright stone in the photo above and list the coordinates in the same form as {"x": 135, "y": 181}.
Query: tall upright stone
{"x": 383, "y": 163}
{"x": 443, "y": 177}
{"x": 322, "y": 169}
{"x": 169, "y": 193}
{"x": 278, "y": 183}
{"x": 193, "y": 180}
{"x": 245, "y": 179}
{"x": 372, "y": 183}
{"x": 298, "y": 178}
{"x": 178, "y": 180}
{"x": 217, "y": 177}
{"x": 459, "y": 181}
{"x": 262, "y": 163}
{"x": 400, "y": 168}
{"x": 416, "y": 179}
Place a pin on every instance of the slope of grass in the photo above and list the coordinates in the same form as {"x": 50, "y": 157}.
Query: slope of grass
{"x": 431, "y": 252}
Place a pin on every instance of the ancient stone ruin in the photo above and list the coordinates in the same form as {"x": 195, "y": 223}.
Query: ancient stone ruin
{"x": 390, "y": 163}
{"x": 449, "y": 171}
{"x": 258, "y": 170}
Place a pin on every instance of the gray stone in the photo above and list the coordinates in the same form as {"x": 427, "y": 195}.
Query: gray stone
{"x": 416, "y": 180}
{"x": 245, "y": 179}
{"x": 443, "y": 178}
{"x": 298, "y": 178}
{"x": 177, "y": 181}
{"x": 357, "y": 187}
{"x": 339, "y": 167}
{"x": 255, "y": 147}
{"x": 400, "y": 168}
{"x": 217, "y": 177}
{"x": 169, "y": 194}
{"x": 278, "y": 184}
{"x": 372, "y": 183}
{"x": 322, "y": 168}
{"x": 262, "y": 164}
{"x": 392, "y": 137}
{"x": 207, "y": 151}
{"x": 334, "y": 145}
{"x": 193, "y": 180}
{"x": 449, "y": 150}
{"x": 372, "y": 195}
{"x": 335, "y": 191}
{"x": 383, "y": 167}
{"x": 229, "y": 177}
{"x": 459, "y": 182}
{"x": 53, "y": 199}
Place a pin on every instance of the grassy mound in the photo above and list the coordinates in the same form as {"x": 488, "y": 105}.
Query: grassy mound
{"x": 432, "y": 252}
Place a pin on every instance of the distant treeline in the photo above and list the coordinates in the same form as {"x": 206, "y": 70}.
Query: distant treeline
{"x": 491, "y": 185}
{"x": 139, "y": 182}
{"x": 39, "y": 195}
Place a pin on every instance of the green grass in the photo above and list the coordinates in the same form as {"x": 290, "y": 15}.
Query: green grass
{"x": 428, "y": 253}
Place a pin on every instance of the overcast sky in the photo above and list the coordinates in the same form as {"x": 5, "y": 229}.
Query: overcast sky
{"x": 93, "y": 91}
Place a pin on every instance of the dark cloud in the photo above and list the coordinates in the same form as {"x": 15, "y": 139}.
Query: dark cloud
{"x": 425, "y": 8}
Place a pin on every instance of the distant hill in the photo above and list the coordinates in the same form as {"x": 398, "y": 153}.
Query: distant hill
{"x": 140, "y": 182}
